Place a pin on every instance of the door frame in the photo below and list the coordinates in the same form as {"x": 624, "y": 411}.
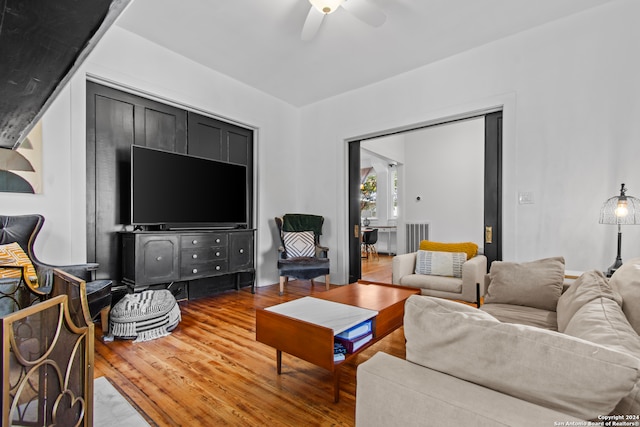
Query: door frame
{"x": 493, "y": 184}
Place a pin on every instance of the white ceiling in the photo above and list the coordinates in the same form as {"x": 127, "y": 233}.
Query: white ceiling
{"x": 258, "y": 41}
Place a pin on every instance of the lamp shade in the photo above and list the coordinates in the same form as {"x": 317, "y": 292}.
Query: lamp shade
{"x": 621, "y": 210}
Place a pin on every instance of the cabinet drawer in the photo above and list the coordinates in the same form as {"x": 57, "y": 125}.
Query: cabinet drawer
{"x": 203, "y": 240}
{"x": 194, "y": 270}
{"x": 203, "y": 255}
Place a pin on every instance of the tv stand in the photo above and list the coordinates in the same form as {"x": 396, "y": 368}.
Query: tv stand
{"x": 206, "y": 260}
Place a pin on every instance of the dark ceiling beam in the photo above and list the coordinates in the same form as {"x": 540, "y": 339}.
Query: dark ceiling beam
{"x": 42, "y": 45}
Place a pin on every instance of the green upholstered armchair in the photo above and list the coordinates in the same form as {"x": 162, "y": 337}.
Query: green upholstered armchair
{"x": 300, "y": 255}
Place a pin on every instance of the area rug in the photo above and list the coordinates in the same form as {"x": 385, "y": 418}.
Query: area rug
{"x": 145, "y": 316}
{"x": 112, "y": 409}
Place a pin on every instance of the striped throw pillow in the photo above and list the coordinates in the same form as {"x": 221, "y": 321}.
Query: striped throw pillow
{"x": 440, "y": 263}
{"x": 12, "y": 254}
{"x": 299, "y": 243}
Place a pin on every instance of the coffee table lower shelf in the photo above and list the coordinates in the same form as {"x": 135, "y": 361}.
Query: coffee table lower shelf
{"x": 315, "y": 343}
{"x": 304, "y": 340}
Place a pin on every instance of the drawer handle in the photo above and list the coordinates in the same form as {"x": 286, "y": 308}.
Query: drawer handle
{"x": 218, "y": 240}
{"x": 217, "y": 253}
{"x": 159, "y": 258}
{"x": 241, "y": 251}
{"x": 194, "y": 256}
{"x": 195, "y": 242}
{"x": 217, "y": 267}
{"x": 194, "y": 271}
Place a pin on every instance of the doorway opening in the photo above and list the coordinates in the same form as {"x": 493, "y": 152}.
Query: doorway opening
{"x": 444, "y": 177}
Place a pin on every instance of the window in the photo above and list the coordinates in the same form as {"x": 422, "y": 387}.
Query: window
{"x": 368, "y": 195}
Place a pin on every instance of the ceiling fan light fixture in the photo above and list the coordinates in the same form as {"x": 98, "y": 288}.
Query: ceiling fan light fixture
{"x": 326, "y": 6}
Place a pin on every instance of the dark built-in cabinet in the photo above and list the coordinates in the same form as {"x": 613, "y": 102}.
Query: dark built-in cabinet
{"x": 116, "y": 120}
{"x": 151, "y": 257}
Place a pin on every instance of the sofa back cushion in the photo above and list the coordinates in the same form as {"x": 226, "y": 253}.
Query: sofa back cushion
{"x": 591, "y": 285}
{"x": 534, "y": 284}
{"x": 602, "y": 321}
{"x": 626, "y": 280}
{"x": 544, "y": 367}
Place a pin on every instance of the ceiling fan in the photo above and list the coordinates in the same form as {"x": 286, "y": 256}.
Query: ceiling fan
{"x": 361, "y": 9}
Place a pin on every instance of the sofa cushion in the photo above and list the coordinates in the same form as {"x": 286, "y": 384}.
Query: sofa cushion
{"x": 602, "y": 321}
{"x": 523, "y": 315}
{"x": 589, "y": 286}
{"x": 535, "y": 284}
{"x": 434, "y": 283}
{"x": 554, "y": 370}
{"x": 470, "y": 248}
{"x": 440, "y": 263}
{"x": 626, "y": 280}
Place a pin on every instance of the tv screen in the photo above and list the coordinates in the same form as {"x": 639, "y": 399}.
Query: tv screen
{"x": 177, "y": 190}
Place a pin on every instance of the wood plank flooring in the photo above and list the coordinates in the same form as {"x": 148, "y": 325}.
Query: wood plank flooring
{"x": 211, "y": 371}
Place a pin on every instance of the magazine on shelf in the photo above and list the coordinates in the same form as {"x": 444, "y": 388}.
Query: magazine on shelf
{"x": 359, "y": 330}
{"x": 356, "y": 343}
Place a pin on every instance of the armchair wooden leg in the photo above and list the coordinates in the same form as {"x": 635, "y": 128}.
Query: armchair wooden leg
{"x": 283, "y": 280}
{"x": 104, "y": 319}
{"x": 326, "y": 281}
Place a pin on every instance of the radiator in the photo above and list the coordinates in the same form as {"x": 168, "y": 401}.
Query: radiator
{"x": 416, "y": 232}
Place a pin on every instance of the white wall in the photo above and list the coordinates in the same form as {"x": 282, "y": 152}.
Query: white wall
{"x": 131, "y": 62}
{"x": 444, "y": 166}
{"x": 571, "y": 99}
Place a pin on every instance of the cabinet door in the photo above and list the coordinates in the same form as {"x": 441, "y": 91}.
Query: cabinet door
{"x": 158, "y": 259}
{"x": 240, "y": 251}
{"x": 115, "y": 121}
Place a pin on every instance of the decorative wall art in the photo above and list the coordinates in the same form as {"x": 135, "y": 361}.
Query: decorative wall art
{"x": 21, "y": 169}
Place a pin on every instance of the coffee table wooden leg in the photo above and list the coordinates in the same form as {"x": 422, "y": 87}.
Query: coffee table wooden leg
{"x": 279, "y": 361}
{"x": 336, "y": 385}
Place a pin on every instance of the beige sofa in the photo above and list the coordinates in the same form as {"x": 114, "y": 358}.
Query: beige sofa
{"x": 464, "y": 288}
{"x": 533, "y": 355}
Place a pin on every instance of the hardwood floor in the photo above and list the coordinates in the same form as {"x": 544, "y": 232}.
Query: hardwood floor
{"x": 211, "y": 371}
{"x": 377, "y": 269}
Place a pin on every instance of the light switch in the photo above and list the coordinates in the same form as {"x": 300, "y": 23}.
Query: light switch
{"x": 525, "y": 197}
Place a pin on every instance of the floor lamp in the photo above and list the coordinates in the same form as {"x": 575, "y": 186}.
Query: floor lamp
{"x": 620, "y": 210}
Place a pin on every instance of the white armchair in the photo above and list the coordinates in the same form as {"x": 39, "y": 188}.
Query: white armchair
{"x": 467, "y": 288}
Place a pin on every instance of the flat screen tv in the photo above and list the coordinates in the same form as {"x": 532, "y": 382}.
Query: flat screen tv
{"x": 174, "y": 190}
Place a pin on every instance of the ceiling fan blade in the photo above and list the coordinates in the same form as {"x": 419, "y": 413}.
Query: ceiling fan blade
{"x": 365, "y": 11}
{"x": 312, "y": 24}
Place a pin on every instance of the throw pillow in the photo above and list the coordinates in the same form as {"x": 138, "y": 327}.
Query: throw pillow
{"x": 544, "y": 367}
{"x": 299, "y": 243}
{"x": 440, "y": 263}
{"x": 12, "y": 254}
{"x": 534, "y": 284}
{"x": 470, "y": 248}
{"x": 626, "y": 280}
{"x": 589, "y": 286}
